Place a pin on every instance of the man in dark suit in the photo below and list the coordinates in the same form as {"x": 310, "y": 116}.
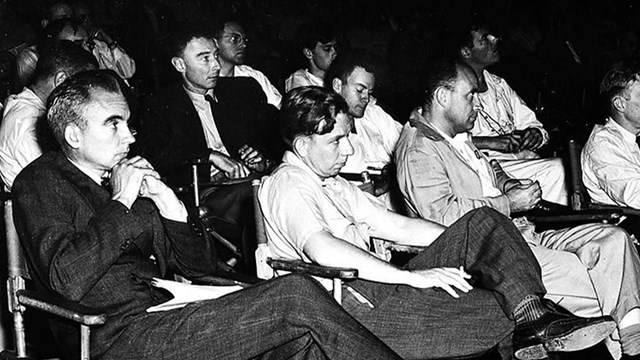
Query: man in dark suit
{"x": 224, "y": 122}
{"x": 101, "y": 247}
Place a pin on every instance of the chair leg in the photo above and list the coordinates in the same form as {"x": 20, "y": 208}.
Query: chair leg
{"x": 337, "y": 290}
{"x": 84, "y": 342}
{"x": 18, "y": 328}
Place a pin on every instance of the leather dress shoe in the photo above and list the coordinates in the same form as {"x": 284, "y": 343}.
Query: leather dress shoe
{"x": 557, "y": 330}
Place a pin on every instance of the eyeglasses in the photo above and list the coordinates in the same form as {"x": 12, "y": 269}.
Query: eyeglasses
{"x": 237, "y": 39}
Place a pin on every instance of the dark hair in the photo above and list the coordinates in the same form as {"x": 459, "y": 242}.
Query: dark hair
{"x": 346, "y": 62}
{"x": 67, "y": 103}
{"x": 54, "y": 28}
{"x": 315, "y": 31}
{"x": 618, "y": 77}
{"x": 443, "y": 72}
{"x": 459, "y": 34}
{"x": 309, "y": 110}
{"x": 63, "y": 55}
{"x": 184, "y": 34}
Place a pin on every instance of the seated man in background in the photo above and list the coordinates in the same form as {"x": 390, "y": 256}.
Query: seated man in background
{"x": 611, "y": 158}
{"x": 318, "y": 44}
{"x": 374, "y": 132}
{"x": 102, "y": 247}
{"x": 224, "y": 122}
{"x": 588, "y": 269}
{"x": 507, "y": 129}
{"x": 460, "y": 296}
{"x": 20, "y": 142}
{"x": 231, "y": 41}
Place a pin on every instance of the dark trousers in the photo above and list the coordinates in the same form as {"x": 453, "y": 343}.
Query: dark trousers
{"x": 291, "y": 317}
{"x": 429, "y": 323}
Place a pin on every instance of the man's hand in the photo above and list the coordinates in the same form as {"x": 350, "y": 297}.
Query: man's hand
{"x": 232, "y": 169}
{"x": 444, "y": 278}
{"x": 524, "y": 196}
{"x": 531, "y": 138}
{"x": 508, "y": 143}
{"x": 252, "y": 159}
{"x": 126, "y": 179}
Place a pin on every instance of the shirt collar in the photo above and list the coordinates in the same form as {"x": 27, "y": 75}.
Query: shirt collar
{"x": 292, "y": 159}
{"x": 626, "y": 134}
{"x": 199, "y": 98}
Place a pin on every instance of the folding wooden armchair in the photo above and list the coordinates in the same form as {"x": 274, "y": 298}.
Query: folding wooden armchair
{"x": 266, "y": 265}
{"x": 19, "y": 299}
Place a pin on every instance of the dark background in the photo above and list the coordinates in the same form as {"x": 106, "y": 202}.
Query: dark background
{"x": 554, "y": 53}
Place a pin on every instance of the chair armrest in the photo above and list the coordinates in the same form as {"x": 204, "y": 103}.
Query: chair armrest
{"x": 313, "y": 269}
{"x": 625, "y": 210}
{"x": 592, "y": 215}
{"x": 61, "y": 307}
{"x": 226, "y": 279}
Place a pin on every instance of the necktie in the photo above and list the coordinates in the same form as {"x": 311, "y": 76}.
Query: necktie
{"x": 211, "y": 101}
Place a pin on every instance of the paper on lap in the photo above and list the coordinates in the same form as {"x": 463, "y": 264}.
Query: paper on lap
{"x": 184, "y": 294}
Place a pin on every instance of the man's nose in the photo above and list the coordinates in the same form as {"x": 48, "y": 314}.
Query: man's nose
{"x": 128, "y": 135}
{"x": 347, "y": 148}
{"x": 477, "y": 105}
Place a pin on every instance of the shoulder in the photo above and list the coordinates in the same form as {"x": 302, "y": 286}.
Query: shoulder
{"x": 43, "y": 170}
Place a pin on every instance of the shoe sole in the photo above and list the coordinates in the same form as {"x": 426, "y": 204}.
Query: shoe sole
{"x": 579, "y": 339}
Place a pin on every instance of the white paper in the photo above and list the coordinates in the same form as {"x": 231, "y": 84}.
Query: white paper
{"x": 184, "y": 293}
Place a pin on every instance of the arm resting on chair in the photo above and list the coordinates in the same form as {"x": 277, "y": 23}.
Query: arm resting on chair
{"x": 313, "y": 269}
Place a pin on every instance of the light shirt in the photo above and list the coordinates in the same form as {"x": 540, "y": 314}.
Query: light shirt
{"x": 472, "y": 156}
{"x": 300, "y": 78}
{"x": 211, "y": 134}
{"x": 374, "y": 140}
{"x": 18, "y": 141}
{"x": 273, "y": 95}
{"x": 611, "y": 165}
{"x": 297, "y": 203}
{"x": 503, "y": 112}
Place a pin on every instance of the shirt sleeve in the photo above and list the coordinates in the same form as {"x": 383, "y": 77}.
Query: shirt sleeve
{"x": 617, "y": 174}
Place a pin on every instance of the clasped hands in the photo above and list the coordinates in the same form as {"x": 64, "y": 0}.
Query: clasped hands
{"x": 134, "y": 177}
{"x": 250, "y": 160}
{"x": 527, "y": 139}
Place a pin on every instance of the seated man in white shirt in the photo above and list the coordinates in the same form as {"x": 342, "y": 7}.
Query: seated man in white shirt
{"x": 458, "y": 297}
{"x": 611, "y": 157}
{"x": 507, "y": 129}
{"x": 19, "y": 141}
{"x": 318, "y": 45}
{"x": 231, "y": 41}
{"x": 443, "y": 176}
{"x": 374, "y": 132}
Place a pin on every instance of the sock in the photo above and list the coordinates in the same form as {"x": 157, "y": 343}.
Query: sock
{"x": 529, "y": 309}
{"x": 630, "y": 340}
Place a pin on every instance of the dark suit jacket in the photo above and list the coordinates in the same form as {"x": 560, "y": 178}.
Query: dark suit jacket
{"x": 87, "y": 248}
{"x": 171, "y": 131}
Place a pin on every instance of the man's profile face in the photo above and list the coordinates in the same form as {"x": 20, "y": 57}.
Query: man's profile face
{"x": 323, "y": 55}
{"x": 327, "y": 154}
{"x": 232, "y": 44}
{"x": 463, "y": 105}
{"x": 485, "y": 48}
{"x": 201, "y": 66}
{"x": 357, "y": 91}
{"x": 59, "y": 11}
{"x": 104, "y": 140}
{"x": 631, "y": 97}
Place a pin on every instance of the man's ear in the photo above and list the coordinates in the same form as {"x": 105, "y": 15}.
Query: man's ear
{"x": 465, "y": 53}
{"x": 300, "y": 146}
{"x": 441, "y": 96}
{"x": 178, "y": 64}
{"x": 59, "y": 77}
{"x": 73, "y": 135}
{"x": 336, "y": 84}
{"x": 307, "y": 53}
{"x": 619, "y": 104}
